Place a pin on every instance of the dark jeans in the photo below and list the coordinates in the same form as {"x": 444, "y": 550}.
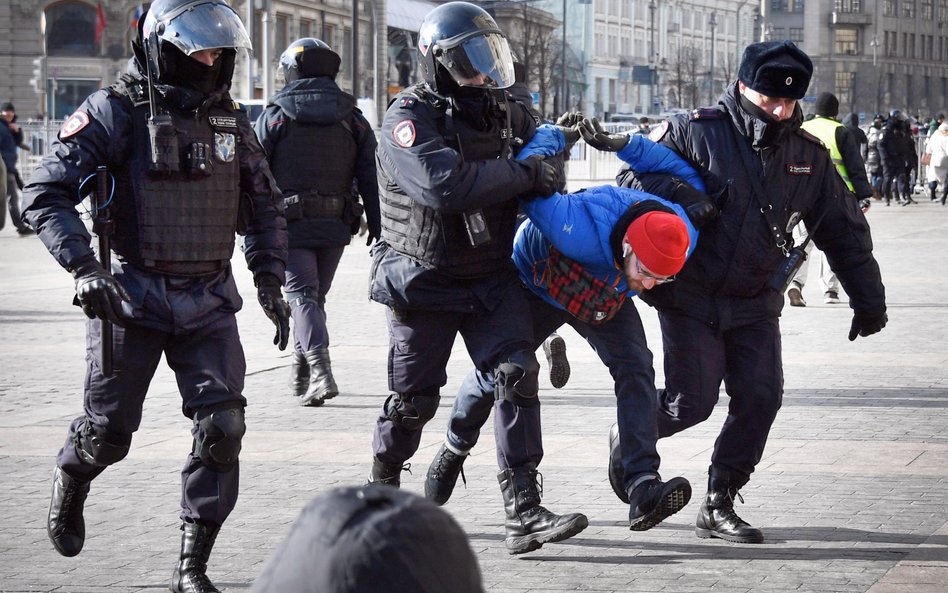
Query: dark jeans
{"x": 209, "y": 367}
{"x": 621, "y": 345}
{"x": 312, "y": 269}
{"x": 420, "y": 345}
{"x": 697, "y": 359}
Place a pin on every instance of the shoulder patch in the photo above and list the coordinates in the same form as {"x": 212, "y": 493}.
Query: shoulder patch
{"x": 706, "y": 113}
{"x": 407, "y": 102}
{"x": 404, "y": 133}
{"x": 74, "y": 124}
{"x": 658, "y": 132}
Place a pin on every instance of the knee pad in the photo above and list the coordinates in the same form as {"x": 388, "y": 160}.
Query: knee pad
{"x": 307, "y": 294}
{"x": 99, "y": 447}
{"x": 217, "y": 438}
{"x": 414, "y": 409}
{"x": 517, "y": 379}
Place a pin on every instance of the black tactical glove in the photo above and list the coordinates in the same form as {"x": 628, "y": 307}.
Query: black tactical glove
{"x": 593, "y": 134}
{"x": 566, "y": 124}
{"x": 548, "y": 175}
{"x": 867, "y": 323}
{"x": 98, "y": 293}
{"x": 698, "y": 206}
{"x": 271, "y": 299}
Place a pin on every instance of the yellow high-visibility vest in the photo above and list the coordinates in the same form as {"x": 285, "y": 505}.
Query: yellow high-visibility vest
{"x": 824, "y": 128}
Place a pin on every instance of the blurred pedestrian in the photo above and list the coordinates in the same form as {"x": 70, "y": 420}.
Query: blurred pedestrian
{"x": 937, "y": 149}
{"x": 186, "y": 174}
{"x": 9, "y": 128}
{"x": 372, "y": 539}
{"x": 319, "y": 147}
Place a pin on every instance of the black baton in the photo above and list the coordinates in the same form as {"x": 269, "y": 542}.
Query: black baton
{"x": 102, "y": 225}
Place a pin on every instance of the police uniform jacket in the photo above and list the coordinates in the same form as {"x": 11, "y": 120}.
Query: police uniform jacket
{"x": 891, "y": 147}
{"x": 726, "y": 282}
{"x": 435, "y": 165}
{"x": 317, "y": 142}
{"x": 103, "y": 132}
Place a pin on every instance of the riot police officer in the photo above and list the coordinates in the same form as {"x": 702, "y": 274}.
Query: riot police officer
{"x": 448, "y": 189}
{"x": 182, "y": 158}
{"x": 317, "y": 142}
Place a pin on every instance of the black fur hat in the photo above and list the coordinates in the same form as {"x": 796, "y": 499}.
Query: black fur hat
{"x": 776, "y": 69}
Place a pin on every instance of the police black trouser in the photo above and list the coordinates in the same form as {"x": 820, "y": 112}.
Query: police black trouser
{"x": 697, "y": 359}
{"x": 419, "y": 348}
{"x": 621, "y": 345}
{"x": 209, "y": 368}
{"x": 309, "y": 275}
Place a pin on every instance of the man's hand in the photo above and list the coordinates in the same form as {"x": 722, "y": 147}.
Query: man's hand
{"x": 567, "y": 123}
{"x": 698, "y": 206}
{"x": 867, "y": 323}
{"x": 593, "y": 134}
{"x": 548, "y": 175}
{"x": 99, "y": 294}
{"x": 271, "y": 299}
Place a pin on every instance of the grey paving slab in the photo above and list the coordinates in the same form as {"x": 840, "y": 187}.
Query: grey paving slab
{"x": 852, "y": 493}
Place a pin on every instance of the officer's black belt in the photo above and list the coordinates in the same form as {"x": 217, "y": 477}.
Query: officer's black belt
{"x": 186, "y": 268}
{"x": 315, "y": 205}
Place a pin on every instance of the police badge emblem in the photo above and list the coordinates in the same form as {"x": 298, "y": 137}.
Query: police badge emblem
{"x": 225, "y": 146}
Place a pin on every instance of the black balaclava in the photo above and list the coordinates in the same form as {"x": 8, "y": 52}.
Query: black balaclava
{"x": 189, "y": 73}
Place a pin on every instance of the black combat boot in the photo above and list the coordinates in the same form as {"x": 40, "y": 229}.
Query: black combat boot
{"x": 196, "y": 543}
{"x": 321, "y": 384}
{"x": 387, "y": 473}
{"x": 554, "y": 347}
{"x": 717, "y": 518}
{"x": 65, "y": 524}
{"x": 299, "y": 374}
{"x": 528, "y": 524}
{"x": 616, "y": 471}
{"x": 653, "y": 501}
{"x": 443, "y": 475}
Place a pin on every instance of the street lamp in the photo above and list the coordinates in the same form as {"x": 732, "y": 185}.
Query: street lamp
{"x": 713, "y": 23}
{"x": 651, "y": 53}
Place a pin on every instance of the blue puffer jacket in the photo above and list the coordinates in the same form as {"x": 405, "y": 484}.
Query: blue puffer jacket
{"x": 584, "y": 225}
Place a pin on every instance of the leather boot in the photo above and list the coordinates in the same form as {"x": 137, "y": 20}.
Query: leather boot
{"x": 64, "y": 524}
{"x": 528, "y": 524}
{"x": 616, "y": 471}
{"x": 321, "y": 384}
{"x": 443, "y": 475}
{"x": 196, "y": 543}
{"x": 387, "y": 473}
{"x": 299, "y": 374}
{"x": 653, "y": 501}
{"x": 717, "y": 518}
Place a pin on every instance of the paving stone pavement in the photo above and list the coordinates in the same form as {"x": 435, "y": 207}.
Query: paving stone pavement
{"x": 852, "y": 493}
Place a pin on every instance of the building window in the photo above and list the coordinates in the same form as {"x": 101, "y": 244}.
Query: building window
{"x": 306, "y": 28}
{"x": 347, "y": 43}
{"x": 942, "y": 12}
{"x": 854, "y": 6}
{"x": 796, "y": 35}
{"x": 71, "y": 30}
{"x": 281, "y": 32}
{"x": 891, "y": 46}
{"x": 797, "y": 5}
{"x": 846, "y": 41}
{"x": 778, "y": 5}
{"x": 328, "y": 33}
{"x": 927, "y": 10}
{"x": 889, "y": 7}
{"x": 778, "y": 33}
{"x": 844, "y": 87}
{"x": 908, "y": 9}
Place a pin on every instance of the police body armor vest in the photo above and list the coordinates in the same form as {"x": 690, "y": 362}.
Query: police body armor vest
{"x": 825, "y": 129}
{"x": 181, "y": 222}
{"x": 440, "y": 239}
{"x": 321, "y": 180}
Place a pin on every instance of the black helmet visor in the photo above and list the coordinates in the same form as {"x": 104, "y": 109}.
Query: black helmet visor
{"x": 482, "y": 61}
{"x": 207, "y": 25}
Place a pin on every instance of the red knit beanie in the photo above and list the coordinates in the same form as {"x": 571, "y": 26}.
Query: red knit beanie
{"x": 660, "y": 241}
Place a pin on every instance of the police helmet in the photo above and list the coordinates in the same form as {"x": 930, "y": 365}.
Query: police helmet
{"x": 460, "y": 44}
{"x": 896, "y": 115}
{"x": 308, "y": 58}
{"x": 172, "y": 28}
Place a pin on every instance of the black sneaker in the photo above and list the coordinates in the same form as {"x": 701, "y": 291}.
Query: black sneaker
{"x": 443, "y": 475}
{"x": 554, "y": 348}
{"x": 831, "y": 297}
{"x": 653, "y": 501}
{"x": 387, "y": 473}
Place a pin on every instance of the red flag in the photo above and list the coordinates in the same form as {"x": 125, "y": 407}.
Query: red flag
{"x": 99, "y": 23}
